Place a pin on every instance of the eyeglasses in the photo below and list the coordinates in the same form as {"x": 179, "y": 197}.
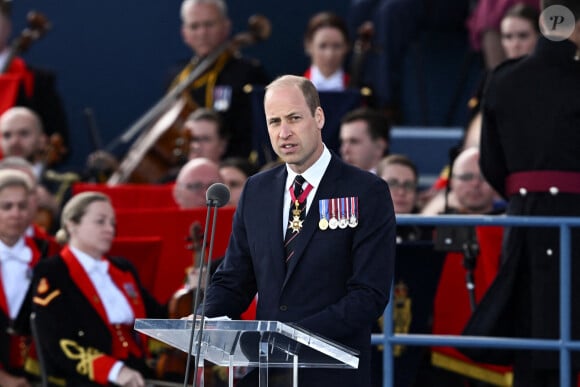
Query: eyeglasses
{"x": 468, "y": 177}
{"x": 407, "y": 185}
{"x": 202, "y": 139}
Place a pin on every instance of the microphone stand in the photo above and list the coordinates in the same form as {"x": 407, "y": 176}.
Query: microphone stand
{"x": 202, "y": 266}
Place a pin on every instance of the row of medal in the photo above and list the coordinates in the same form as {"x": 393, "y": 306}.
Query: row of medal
{"x": 338, "y": 213}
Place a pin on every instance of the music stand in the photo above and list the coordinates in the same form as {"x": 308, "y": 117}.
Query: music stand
{"x": 261, "y": 344}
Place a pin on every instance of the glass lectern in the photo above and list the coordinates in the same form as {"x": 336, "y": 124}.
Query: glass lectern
{"x": 261, "y": 344}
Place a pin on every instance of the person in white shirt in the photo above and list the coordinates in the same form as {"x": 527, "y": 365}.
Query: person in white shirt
{"x": 326, "y": 43}
{"x": 86, "y": 302}
{"x": 18, "y": 256}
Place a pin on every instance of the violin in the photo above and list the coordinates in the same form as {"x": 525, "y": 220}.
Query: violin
{"x": 37, "y": 27}
{"x": 162, "y": 144}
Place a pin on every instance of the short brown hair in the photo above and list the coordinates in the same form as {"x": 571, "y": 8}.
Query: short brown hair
{"x": 306, "y": 87}
{"x": 397, "y": 159}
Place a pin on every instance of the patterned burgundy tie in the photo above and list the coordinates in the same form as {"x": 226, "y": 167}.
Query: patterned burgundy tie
{"x": 296, "y": 217}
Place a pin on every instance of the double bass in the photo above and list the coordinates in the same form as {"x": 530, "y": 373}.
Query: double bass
{"x": 162, "y": 143}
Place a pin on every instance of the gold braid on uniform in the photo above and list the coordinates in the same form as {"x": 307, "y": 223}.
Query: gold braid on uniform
{"x": 208, "y": 79}
{"x": 85, "y": 357}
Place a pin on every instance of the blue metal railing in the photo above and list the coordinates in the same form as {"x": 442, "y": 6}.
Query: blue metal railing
{"x": 564, "y": 345}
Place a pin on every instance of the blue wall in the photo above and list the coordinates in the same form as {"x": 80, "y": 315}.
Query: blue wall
{"x": 113, "y": 55}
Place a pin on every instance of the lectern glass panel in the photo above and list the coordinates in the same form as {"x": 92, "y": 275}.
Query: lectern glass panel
{"x": 237, "y": 343}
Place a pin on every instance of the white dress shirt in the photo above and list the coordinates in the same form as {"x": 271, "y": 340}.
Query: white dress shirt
{"x": 116, "y": 304}
{"x": 313, "y": 176}
{"x": 16, "y": 274}
{"x": 335, "y": 82}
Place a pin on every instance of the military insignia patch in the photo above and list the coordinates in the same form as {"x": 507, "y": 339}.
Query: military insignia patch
{"x": 42, "y": 285}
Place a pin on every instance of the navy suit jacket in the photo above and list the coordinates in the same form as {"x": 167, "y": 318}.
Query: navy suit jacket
{"x": 338, "y": 281}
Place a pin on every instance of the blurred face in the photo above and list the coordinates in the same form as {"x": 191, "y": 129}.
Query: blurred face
{"x": 403, "y": 186}
{"x": 205, "y": 140}
{"x": 95, "y": 232}
{"x": 204, "y": 28}
{"x": 14, "y": 214}
{"x": 190, "y": 187}
{"x": 327, "y": 50}
{"x": 518, "y": 37}
{"x": 357, "y": 147}
{"x": 21, "y": 136}
{"x": 234, "y": 179}
{"x": 294, "y": 133}
{"x": 473, "y": 193}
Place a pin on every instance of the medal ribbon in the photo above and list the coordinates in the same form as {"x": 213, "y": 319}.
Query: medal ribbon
{"x": 323, "y": 208}
{"x": 302, "y": 196}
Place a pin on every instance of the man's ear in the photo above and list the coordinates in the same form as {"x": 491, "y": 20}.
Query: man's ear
{"x": 319, "y": 117}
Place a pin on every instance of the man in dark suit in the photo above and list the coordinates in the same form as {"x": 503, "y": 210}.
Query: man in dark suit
{"x": 205, "y": 28}
{"x": 327, "y": 265}
{"x": 529, "y": 152}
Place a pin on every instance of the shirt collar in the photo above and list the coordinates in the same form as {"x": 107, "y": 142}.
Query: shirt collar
{"x": 312, "y": 175}
{"x": 20, "y": 251}
{"x": 335, "y": 82}
{"x": 90, "y": 264}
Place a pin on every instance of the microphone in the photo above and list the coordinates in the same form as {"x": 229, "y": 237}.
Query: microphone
{"x": 217, "y": 195}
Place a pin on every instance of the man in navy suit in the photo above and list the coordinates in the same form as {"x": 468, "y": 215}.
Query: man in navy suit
{"x": 321, "y": 257}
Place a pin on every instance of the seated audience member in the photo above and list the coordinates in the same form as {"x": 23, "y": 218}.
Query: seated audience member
{"x": 19, "y": 254}
{"x": 484, "y": 25}
{"x": 95, "y": 345}
{"x": 469, "y": 191}
{"x": 520, "y": 31}
{"x": 234, "y": 172}
{"x": 207, "y": 136}
{"x": 400, "y": 173}
{"x": 32, "y": 87}
{"x": 42, "y": 207}
{"x": 23, "y": 136}
{"x": 471, "y": 264}
{"x": 364, "y": 138}
{"x": 326, "y": 43}
{"x": 192, "y": 182}
{"x": 205, "y": 27}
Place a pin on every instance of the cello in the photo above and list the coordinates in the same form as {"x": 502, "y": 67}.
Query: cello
{"x": 38, "y": 25}
{"x": 162, "y": 143}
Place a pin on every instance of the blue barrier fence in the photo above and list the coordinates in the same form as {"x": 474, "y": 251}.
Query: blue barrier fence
{"x": 564, "y": 344}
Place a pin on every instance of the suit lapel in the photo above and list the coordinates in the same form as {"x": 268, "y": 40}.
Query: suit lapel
{"x": 272, "y": 206}
{"x": 327, "y": 189}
